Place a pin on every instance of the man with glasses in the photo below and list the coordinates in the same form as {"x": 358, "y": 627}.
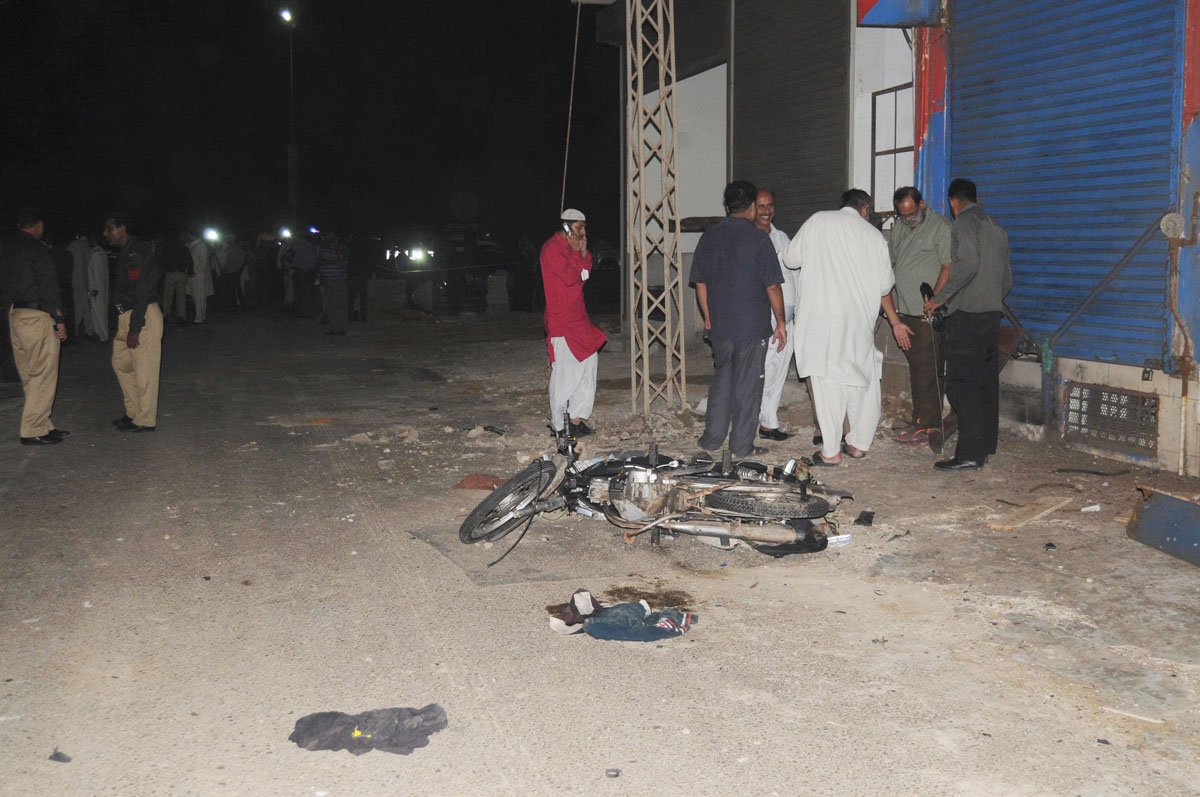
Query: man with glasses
{"x": 920, "y": 252}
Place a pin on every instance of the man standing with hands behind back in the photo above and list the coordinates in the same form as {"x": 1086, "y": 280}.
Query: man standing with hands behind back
{"x": 738, "y": 286}
{"x": 29, "y": 288}
{"x": 137, "y": 346}
{"x": 980, "y": 278}
{"x": 572, "y": 340}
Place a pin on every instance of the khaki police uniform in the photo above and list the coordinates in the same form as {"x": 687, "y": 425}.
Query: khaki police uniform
{"x": 30, "y": 288}
{"x": 136, "y": 296}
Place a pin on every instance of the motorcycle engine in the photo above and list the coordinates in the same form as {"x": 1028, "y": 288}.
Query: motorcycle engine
{"x": 643, "y": 489}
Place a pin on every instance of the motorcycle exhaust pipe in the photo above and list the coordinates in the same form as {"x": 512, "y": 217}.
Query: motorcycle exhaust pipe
{"x": 771, "y": 533}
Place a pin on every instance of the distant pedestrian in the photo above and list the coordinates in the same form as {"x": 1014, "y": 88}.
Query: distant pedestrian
{"x": 304, "y": 273}
{"x": 980, "y": 278}
{"x": 572, "y": 340}
{"x": 200, "y": 284}
{"x": 80, "y": 321}
{"x": 739, "y": 289}
{"x": 178, "y": 268}
{"x": 97, "y": 282}
{"x": 231, "y": 262}
{"x": 37, "y": 327}
{"x": 332, "y": 266}
{"x": 361, "y": 270}
{"x": 137, "y": 346}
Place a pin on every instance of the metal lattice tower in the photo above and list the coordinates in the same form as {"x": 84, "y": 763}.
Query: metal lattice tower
{"x": 655, "y": 285}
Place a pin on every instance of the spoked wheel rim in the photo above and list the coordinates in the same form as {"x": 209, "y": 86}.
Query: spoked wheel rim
{"x": 501, "y": 512}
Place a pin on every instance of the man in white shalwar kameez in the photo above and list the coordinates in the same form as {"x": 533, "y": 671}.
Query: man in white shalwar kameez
{"x": 79, "y": 250}
{"x": 779, "y": 358}
{"x": 200, "y": 285}
{"x": 97, "y": 285}
{"x": 845, "y": 276}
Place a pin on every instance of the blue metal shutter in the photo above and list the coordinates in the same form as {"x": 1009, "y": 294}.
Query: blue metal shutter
{"x": 1066, "y": 115}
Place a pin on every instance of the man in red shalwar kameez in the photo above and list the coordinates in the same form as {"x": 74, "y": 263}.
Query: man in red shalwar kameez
{"x": 572, "y": 340}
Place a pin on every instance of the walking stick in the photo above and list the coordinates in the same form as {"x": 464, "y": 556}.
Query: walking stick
{"x": 938, "y": 438}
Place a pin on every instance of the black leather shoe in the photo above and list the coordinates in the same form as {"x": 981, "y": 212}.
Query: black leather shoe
{"x": 133, "y": 427}
{"x": 957, "y": 464}
{"x": 44, "y": 440}
{"x": 772, "y": 434}
{"x": 124, "y": 420}
{"x": 59, "y": 433}
{"x": 580, "y": 429}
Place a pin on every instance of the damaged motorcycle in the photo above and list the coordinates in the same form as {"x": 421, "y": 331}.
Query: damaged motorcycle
{"x": 777, "y": 510}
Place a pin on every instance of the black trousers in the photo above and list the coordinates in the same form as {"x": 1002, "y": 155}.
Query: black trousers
{"x": 735, "y": 395}
{"x": 973, "y": 381}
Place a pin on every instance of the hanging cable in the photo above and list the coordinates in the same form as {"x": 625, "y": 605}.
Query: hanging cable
{"x": 562, "y": 202}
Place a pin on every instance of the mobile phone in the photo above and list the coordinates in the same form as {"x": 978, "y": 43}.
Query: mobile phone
{"x": 567, "y": 229}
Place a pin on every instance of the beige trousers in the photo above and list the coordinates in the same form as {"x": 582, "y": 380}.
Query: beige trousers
{"x": 35, "y": 350}
{"x": 137, "y": 369}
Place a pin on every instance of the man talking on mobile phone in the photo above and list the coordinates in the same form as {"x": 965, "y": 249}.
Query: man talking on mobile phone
{"x": 572, "y": 340}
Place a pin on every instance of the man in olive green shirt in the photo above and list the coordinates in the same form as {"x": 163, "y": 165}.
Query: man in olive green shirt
{"x": 920, "y": 250}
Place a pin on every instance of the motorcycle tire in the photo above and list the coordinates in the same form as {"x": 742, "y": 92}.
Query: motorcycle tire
{"x": 496, "y": 515}
{"x": 786, "y": 504}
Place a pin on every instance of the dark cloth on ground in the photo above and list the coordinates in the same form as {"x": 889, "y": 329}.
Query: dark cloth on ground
{"x": 737, "y": 263}
{"x": 634, "y": 622}
{"x": 392, "y": 730}
{"x": 973, "y": 381}
{"x": 735, "y": 395}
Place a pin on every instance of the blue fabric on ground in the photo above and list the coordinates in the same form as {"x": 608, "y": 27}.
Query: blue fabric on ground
{"x": 634, "y": 622}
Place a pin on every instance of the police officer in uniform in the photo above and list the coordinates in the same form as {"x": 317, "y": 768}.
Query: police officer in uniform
{"x": 36, "y": 326}
{"x": 137, "y": 346}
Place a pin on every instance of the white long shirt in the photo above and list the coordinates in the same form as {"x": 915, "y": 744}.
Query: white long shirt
{"x": 791, "y": 278}
{"x": 844, "y": 271}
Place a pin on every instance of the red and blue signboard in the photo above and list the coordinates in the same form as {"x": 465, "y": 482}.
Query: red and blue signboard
{"x": 899, "y": 13}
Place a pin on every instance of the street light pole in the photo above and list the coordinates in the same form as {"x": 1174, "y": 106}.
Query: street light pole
{"x": 293, "y": 152}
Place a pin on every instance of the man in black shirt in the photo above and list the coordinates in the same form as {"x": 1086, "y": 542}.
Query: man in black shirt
{"x": 29, "y": 287}
{"x": 137, "y": 346}
{"x": 737, "y": 277}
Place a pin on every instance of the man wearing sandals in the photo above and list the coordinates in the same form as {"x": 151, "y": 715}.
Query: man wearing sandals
{"x": 845, "y": 277}
{"x": 920, "y": 251}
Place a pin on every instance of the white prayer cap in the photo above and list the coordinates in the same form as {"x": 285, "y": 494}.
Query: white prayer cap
{"x": 571, "y": 214}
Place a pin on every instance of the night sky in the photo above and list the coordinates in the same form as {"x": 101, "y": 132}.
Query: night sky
{"x": 409, "y": 114}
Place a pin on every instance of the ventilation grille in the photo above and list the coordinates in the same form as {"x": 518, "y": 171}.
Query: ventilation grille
{"x": 1107, "y": 417}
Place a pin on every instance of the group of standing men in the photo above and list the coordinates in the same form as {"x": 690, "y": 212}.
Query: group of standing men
{"x": 840, "y": 274}
{"x": 29, "y": 290}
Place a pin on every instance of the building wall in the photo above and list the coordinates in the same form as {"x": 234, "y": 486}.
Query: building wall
{"x": 880, "y": 58}
{"x": 701, "y": 161}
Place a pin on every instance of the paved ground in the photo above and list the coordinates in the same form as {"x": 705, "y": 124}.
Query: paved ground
{"x": 286, "y": 543}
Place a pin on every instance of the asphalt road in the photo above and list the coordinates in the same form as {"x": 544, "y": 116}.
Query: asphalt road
{"x": 285, "y": 543}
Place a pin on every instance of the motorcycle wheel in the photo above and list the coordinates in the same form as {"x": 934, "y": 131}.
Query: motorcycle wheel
{"x": 496, "y": 515}
{"x": 776, "y": 504}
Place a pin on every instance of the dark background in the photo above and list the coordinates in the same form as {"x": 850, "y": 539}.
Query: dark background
{"x": 408, "y": 114}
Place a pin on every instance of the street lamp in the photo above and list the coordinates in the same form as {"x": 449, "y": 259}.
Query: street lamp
{"x": 293, "y": 155}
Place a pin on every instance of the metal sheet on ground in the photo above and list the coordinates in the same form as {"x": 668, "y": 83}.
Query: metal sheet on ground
{"x": 591, "y": 550}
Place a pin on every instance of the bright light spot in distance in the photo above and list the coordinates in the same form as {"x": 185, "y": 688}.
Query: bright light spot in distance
{"x": 285, "y": 233}
{"x": 285, "y": 15}
{"x": 314, "y": 231}
{"x": 211, "y": 235}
